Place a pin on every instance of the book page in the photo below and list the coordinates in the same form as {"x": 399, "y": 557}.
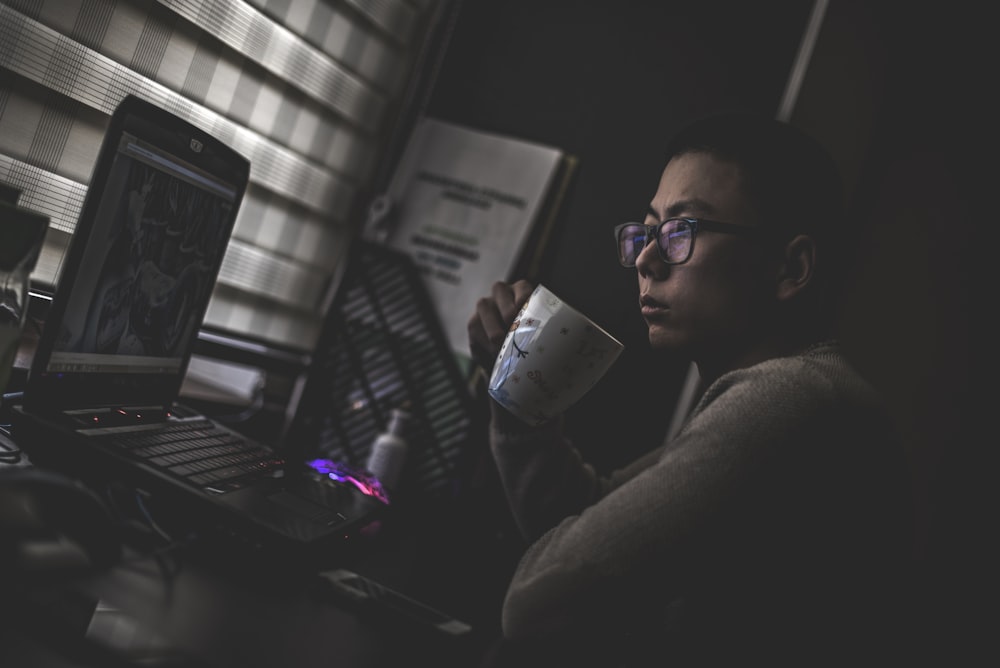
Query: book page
{"x": 463, "y": 204}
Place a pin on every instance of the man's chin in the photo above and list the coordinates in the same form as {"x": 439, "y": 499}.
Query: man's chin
{"x": 662, "y": 338}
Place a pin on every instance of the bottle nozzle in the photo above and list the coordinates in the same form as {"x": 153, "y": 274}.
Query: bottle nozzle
{"x": 398, "y": 420}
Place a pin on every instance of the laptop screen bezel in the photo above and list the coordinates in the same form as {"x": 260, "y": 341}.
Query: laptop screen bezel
{"x": 54, "y": 392}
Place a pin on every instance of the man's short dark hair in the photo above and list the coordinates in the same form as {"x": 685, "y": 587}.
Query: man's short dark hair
{"x": 790, "y": 180}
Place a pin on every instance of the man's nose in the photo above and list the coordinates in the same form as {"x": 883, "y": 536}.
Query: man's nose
{"x": 649, "y": 261}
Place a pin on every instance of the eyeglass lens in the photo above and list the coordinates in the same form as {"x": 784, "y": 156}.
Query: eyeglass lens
{"x": 673, "y": 237}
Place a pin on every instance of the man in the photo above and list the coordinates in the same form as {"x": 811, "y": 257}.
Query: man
{"x": 773, "y": 526}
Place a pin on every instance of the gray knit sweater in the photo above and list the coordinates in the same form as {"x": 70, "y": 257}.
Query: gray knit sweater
{"x": 771, "y": 522}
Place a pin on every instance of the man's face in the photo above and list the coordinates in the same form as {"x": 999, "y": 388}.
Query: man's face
{"x": 710, "y": 304}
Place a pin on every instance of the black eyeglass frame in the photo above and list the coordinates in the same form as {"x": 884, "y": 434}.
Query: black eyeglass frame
{"x": 653, "y": 234}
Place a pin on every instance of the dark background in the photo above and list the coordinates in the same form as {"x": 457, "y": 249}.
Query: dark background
{"x": 895, "y": 90}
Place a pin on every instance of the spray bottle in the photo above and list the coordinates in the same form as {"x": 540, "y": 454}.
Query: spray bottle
{"x": 388, "y": 452}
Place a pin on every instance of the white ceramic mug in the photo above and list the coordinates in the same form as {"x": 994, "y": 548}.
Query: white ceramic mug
{"x": 552, "y": 356}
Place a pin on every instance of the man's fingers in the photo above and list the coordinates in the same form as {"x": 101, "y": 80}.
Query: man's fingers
{"x": 521, "y": 290}
{"x": 488, "y": 326}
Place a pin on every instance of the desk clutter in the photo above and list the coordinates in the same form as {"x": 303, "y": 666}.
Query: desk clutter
{"x": 383, "y": 349}
{"x": 118, "y": 485}
{"x": 101, "y": 399}
{"x": 22, "y": 232}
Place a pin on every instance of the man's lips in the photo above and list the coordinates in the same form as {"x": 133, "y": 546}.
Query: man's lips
{"x": 650, "y": 307}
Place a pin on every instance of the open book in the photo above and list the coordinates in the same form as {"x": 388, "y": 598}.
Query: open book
{"x": 471, "y": 207}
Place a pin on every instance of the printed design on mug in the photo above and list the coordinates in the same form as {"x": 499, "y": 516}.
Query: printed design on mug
{"x": 521, "y": 352}
{"x": 542, "y": 383}
{"x": 587, "y": 348}
{"x": 569, "y": 374}
{"x": 513, "y": 349}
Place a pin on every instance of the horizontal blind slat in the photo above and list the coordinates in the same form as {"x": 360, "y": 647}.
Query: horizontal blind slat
{"x": 283, "y": 53}
{"x": 265, "y": 274}
{"x": 57, "y": 62}
{"x": 261, "y": 318}
{"x": 378, "y": 57}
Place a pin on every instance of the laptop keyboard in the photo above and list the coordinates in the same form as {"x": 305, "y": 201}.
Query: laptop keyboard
{"x": 198, "y": 451}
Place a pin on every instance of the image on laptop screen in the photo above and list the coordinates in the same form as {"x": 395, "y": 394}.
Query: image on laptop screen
{"x": 134, "y": 303}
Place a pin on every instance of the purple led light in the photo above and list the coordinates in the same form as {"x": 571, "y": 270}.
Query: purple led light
{"x": 367, "y": 483}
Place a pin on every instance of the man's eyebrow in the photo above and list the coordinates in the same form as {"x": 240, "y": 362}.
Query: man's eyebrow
{"x": 687, "y": 207}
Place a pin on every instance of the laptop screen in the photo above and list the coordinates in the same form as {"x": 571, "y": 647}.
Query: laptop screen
{"x": 141, "y": 267}
{"x": 133, "y": 299}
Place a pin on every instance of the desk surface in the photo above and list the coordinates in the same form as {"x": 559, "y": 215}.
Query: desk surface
{"x": 202, "y": 606}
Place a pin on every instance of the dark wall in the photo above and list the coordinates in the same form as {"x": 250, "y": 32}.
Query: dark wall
{"x": 922, "y": 289}
{"x": 610, "y": 82}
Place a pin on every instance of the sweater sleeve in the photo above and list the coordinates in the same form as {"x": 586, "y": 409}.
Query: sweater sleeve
{"x": 606, "y": 548}
{"x": 544, "y": 476}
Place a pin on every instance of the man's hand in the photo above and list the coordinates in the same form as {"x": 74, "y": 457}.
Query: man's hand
{"x": 494, "y": 314}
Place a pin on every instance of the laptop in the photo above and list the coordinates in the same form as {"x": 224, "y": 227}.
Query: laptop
{"x": 101, "y": 398}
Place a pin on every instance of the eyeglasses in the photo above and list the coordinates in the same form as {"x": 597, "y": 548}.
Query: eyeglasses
{"x": 674, "y": 238}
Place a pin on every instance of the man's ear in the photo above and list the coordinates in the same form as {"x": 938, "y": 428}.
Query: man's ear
{"x": 797, "y": 268}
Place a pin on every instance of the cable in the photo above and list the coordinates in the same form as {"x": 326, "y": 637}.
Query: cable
{"x": 9, "y": 452}
{"x": 141, "y": 504}
{"x": 149, "y": 527}
{"x": 168, "y": 562}
{"x": 9, "y": 455}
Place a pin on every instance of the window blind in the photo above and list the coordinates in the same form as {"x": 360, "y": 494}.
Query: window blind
{"x": 308, "y": 90}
